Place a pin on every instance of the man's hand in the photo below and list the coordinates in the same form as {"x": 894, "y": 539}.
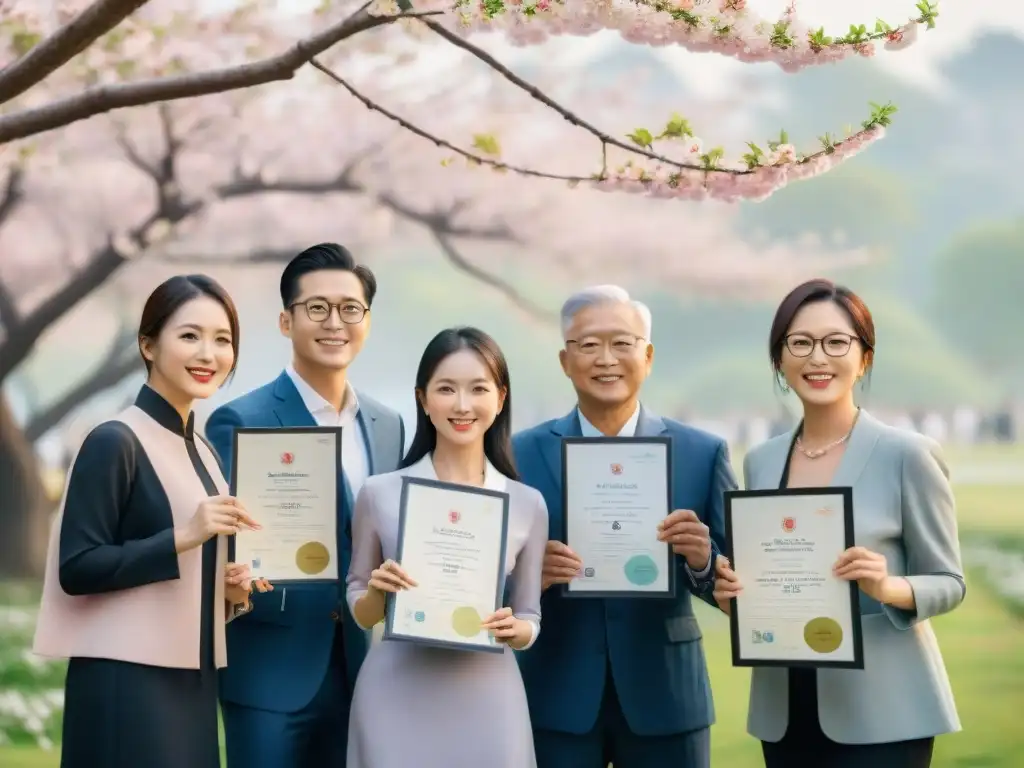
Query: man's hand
{"x": 561, "y": 565}
{"x": 688, "y": 536}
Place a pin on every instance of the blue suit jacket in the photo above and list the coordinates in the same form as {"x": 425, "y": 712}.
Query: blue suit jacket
{"x": 279, "y": 652}
{"x": 653, "y": 646}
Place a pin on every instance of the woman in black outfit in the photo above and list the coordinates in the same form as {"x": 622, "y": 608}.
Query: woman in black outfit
{"x": 138, "y": 588}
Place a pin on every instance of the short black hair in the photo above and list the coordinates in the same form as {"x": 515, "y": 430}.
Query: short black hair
{"x": 821, "y": 289}
{"x": 324, "y": 256}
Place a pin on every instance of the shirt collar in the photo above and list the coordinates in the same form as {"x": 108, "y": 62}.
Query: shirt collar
{"x": 628, "y": 429}
{"x": 153, "y": 404}
{"x": 493, "y": 479}
{"x": 315, "y": 403}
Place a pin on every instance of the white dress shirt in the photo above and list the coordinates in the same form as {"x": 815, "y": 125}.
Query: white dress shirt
{"x": 629, "y": 430}
{"x": 355, "y": 459}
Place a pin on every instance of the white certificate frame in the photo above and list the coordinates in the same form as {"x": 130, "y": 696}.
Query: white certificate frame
{"x": 842, "y": 622}
{"x": 662, "y": 551}
{"x": 250, "y": 444}
{"x": 408, "y": 603}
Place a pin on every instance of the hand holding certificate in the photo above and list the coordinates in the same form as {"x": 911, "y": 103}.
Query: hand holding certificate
{"x": 792, "y": 609}
{"x": 447, "y": 587}
{"x": 289, "y": 478}
{"x": 617, "y": 494}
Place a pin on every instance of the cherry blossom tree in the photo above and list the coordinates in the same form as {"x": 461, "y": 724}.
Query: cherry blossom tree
{"x": 97, "y": 186}
{"x": 244, "y": 48}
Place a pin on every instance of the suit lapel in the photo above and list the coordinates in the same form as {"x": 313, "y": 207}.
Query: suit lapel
{"x": 367, "y": 418}
{"x": 774, "y": 463}
{"x": 858, "y": 450}
{"x": 567, "y": 426}
{"x": 650, "y": 424}
{"x": 290, "y": 410}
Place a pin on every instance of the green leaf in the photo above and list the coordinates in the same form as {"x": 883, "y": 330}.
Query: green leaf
{"x": 487, "y": 144}
{"x": 641, "y": 137}
{"x": 677, "y": 127}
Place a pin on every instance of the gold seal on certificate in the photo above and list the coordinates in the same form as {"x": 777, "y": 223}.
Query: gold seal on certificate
{"x": 616, "y": 491}
{"x": 451, "y": 540}
{"x": 793, "y": 612}
{"x": 288, "y": 479}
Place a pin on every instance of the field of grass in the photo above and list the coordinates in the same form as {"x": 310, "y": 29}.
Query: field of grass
{"x": 982, "y": 644}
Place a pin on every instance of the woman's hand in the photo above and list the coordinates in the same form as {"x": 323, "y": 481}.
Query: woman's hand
{"x": 238, "y": 584}
{"x": 215, "y": 516}
{"x": 390, "y": 578}
{"x": 506, "y": 628}
{"x": 870, "y": 571}
{"x": 727, "y": 584}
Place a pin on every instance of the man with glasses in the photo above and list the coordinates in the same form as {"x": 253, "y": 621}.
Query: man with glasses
{"x": 622, "y": 680}
{"x": 294, "y": 655}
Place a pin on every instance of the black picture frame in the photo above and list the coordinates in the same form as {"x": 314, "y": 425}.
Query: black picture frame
{"x": 671, "y": 560}
{"x": 335, "y": 433}
{"x": 841, "y": 492}
{"x": 389, "y": 632}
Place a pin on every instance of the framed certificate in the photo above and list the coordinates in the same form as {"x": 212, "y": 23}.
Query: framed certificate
{"x": 289, "y": 479}
{"x": 793, "y": 612}
{"x": 615, "y": 492}
{"x": 451, "y": 541}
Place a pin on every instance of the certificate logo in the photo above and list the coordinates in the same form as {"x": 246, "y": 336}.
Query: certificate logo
{"x": 616, "y": 525}
{"x": 616, "y": 469}
{"x": 454, "y": 516}
{"x": 287, "y": 458}
{"x": 788, "y": 524}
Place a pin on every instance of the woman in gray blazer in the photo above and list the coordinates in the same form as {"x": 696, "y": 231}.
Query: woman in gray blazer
{"x": 906, "y": 560}
{"x": 421, "y": 706}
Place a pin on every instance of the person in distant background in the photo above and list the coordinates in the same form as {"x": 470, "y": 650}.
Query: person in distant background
{"x": 622, "y": 681}
{"x": 137, "y": 587}
{"x": 286, "y": 703}
{"x": 906, "y": 560}
{"x": 420, "y": 707}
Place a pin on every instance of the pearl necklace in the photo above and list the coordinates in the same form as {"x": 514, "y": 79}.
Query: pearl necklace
{"x": 818, "y": 453}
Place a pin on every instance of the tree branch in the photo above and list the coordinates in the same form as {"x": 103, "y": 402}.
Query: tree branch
{"x": 13, "y": 191}
{"x": 104, "y": 98}
{"x": 171, "y": 209}
{"x": 457, "y": 260}
{"x": 121, "y": 361}
{"x": 63, "y": 45}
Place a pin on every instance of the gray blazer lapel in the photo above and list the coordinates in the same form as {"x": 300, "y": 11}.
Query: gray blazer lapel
{"x": 567, "y": 426}
{"x": 772, "y": 462}
{"x": 862, "y": 442}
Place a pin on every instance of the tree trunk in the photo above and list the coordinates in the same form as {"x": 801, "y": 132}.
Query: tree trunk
{"x": 24, "y": 505}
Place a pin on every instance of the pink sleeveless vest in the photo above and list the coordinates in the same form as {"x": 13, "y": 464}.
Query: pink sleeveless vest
{"x": 156, "y": 624}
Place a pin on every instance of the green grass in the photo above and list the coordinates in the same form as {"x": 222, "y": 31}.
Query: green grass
{"x": 981, "y": 643}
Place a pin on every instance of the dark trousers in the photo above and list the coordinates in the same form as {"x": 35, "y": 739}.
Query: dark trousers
{"x": 316, "y": 736}
{"x": 611, "y": 741}
{"x": 806, "y": 744}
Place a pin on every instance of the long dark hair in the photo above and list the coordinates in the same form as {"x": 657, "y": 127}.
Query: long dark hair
{"x": 172, "y": 294}
{"x": 497, "y": 439}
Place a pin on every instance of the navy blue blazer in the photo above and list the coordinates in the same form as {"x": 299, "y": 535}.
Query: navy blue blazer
{"x": 278, "y": 653}
{"x": 653, "y": 646}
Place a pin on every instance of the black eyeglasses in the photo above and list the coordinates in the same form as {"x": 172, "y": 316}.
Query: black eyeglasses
{"x": 833, "y": 345}
{"x": 318, "y": 310}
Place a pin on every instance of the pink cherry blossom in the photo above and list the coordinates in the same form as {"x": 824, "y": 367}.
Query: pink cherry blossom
{"x": 650, "y": 22}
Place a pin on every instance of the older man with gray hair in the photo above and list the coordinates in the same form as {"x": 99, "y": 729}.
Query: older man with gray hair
{"x": 616, "y": 679}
